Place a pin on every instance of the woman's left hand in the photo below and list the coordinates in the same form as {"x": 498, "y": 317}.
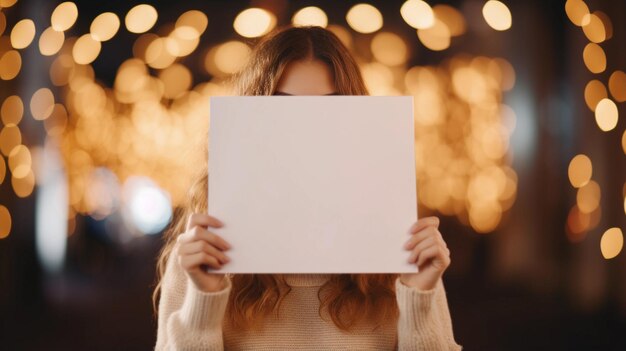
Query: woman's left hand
{"x": 429, "y": 252}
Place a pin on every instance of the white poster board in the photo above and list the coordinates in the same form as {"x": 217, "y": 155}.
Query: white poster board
{"x": 313, "y": 184}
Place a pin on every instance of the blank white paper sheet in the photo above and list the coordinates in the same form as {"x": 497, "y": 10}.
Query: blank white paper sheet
{"x": 313, "y": 184}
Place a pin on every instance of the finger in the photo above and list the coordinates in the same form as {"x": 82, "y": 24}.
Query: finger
{"x": 429, "y": 241}
{"x": 202, "y": 246}
{"x": 420, "y": 236}
{"x": 193, "y": 262}
{"x": 203, "y": 220}
{"x": 423, "y": 223}
{"x": 440, "y": 240}
{"x": 198, "y": 233}
{"x": 429, "y": 253}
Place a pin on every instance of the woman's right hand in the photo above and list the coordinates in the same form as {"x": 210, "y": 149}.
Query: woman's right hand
{"x": 198, "y": 248}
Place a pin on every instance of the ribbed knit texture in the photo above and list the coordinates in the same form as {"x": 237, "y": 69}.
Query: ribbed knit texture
{"x": 190, "y": 319}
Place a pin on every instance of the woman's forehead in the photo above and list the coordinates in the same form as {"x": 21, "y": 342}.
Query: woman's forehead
{"x": 306, "y": 77}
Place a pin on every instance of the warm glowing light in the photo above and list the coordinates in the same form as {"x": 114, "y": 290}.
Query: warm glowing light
{"x": 176, "y": 79}
{"x": 606, "y": 115}
{"x": 64, "y": 16}
{"x": 417, "y": 14}
{"x": 194, "y": 19}
{"x": 465, "y": 77}
{"x": 5, "y": 222}
{"x": 41, "y": 104}
{"x": 131, "y": 77}
{"x": 617, "y": 86}
{"x": 594, "y": 29}
{"x": 624, "y": 142}
{"x": 3, "y": 170}
{"x": 364, "y": 18}
{"x": 451, "y": 17}
{"x": 10, "y": 137}
{"x": 594, "y": 58}
{"x": 142, "y": 43}
{"x": 485, "y": 218}
{"x": 7, "y": 3}
{"x": 378, "y": 78}
{"x": 462, "y": 140}
{"x": 105, "y": 26}
{"x": 141, "y": 18}
{"x": 342, "y": 33}
{"x": 588, "y": 197}
{"x": 497, "y": 15}
{"x": 576, "y": 11}
{"x": 86, "y": 49}
{"x": 50, "y": 41}
{"x": 231, "y": 56}
{"x": 594, "y": 92}
{"x": 611, "y": 243}
{"x": 579, "y": 223}
{"x": 102, "y": 193}
{"x": 580, "y": 171}
{"x": 3, "y": 23}
{"x": 10, "y": 64}
{"x": 56, "y": 123}
{"x": 606, "y": 22}
{"x": 182, "y": 41}
{"x": 158, "y": 55}
{"x": 20, "y": 161}
{"x": 61, "y": 69}
{"x": 254, "y": 22}
{"x": 389, "y": 48}
{"x": 310, "y": 16}
{"x": 12, "y": 110}
{"x": 436, "y": 37}
{"x": 23, "y": 187}
{"x": 22, "y": 34}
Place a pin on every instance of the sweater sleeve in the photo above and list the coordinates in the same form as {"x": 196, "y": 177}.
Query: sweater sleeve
{"x": 188, "y": 318}
{"x": 424, "y": 322}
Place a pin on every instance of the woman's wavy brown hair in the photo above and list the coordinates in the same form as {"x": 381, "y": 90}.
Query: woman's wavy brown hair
{"x": 347, "y": 298}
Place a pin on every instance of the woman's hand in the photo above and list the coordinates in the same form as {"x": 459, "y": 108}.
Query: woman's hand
{"x": 198, "y": 247}
{"x": 429, "y": 252}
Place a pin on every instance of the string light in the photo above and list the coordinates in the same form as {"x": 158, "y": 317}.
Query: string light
{"x": 254, "y": 22}
{"x": 417, "y": 14}
{"x": 12, "y": 110}
{"x": 86, "y": 49}
{"x": 50, "y": 41}
{"x": 577, "y": 12}
{"x": 580, "y": 171}
{"x": 141, "y": 18}
{"x": 104, "y": 26}
{"x": 5, "y": 216}
{"x": 611, "y": 243}
{"x": 310, "y": 16}
{"x": 147, "y": 117}
{"x": 497, "y": 15}
{"x": 606, "y": 115}
{"x": 364, "y": 18}
{"x": 22, "y": 34}
{"x": 64, "y": 16}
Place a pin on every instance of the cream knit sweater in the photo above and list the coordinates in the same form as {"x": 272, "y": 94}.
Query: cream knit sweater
{"x": 190, "y": 319}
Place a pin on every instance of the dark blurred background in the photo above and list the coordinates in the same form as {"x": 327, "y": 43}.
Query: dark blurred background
{"x": 520, "y": 142}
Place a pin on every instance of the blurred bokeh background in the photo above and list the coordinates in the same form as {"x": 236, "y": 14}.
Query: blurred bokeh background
{"x": 520, "y": 148}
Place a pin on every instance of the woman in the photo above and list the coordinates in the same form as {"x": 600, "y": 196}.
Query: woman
{"x": 210, "y": 311}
